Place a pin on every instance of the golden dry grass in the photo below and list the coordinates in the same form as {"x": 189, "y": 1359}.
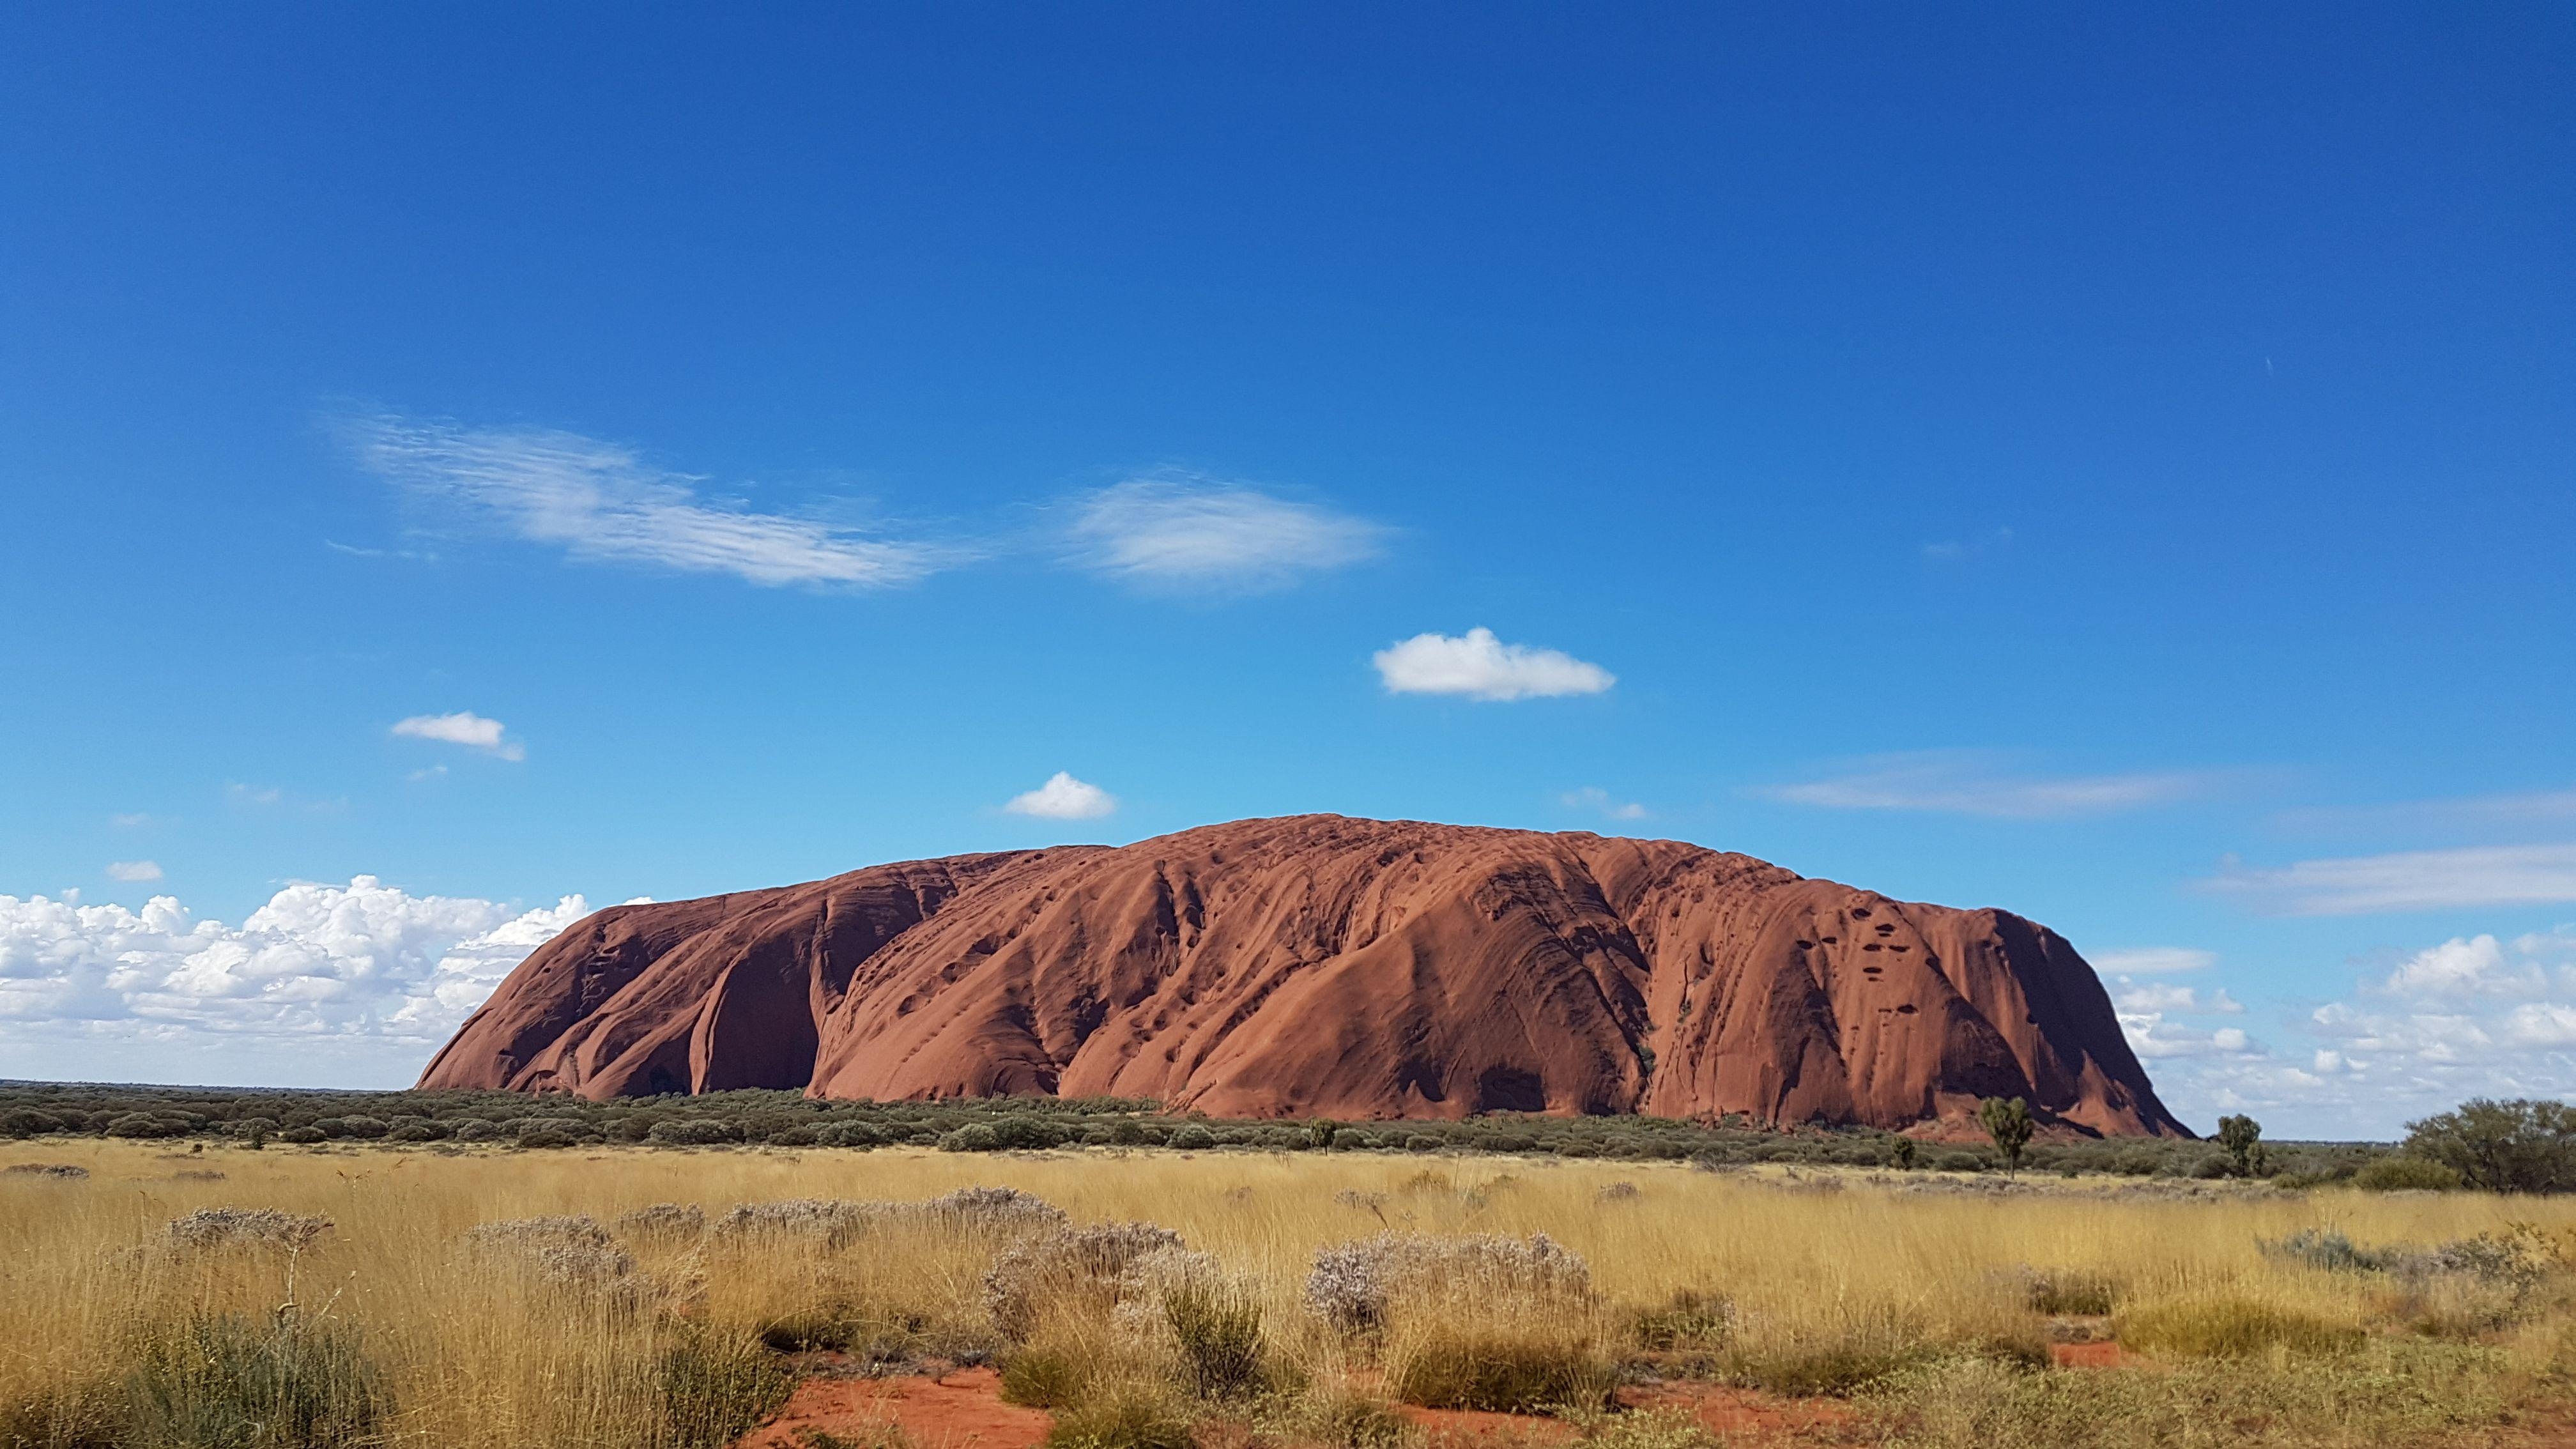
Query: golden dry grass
{"x": 1831, "y": 1281}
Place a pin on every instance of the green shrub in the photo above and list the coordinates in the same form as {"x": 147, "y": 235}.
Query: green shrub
{"x": 2405, "y": 1172}
{"x": 1191, "y": 1137}
{"x": 238, "y": 1383}
{"x": 714, "y": 1387}
{"x": 1126, "y": 1420}
{"x": 1219, "y": 1333}
{"x": 2070, "y": 1292}
{"x": 1337, "y": 1420}
{"x": 1688, "y": 1319}
{"x": 2518, "y": 1146}
{"x": 1466, "y": 1368}
{"x": 973, "y": 1137}
{"x": 2226, "y": 1327}
{"x": 1812, "y": 1368}
{"x": 1043, "y": 1378}
{"x": 691, "y": 1132}
{"x": 825, "y": 1328}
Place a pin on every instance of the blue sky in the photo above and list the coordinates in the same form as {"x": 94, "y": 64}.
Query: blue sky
{"x": 2107, "y": 462}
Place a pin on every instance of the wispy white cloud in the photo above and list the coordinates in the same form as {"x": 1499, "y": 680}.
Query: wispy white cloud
{"x": 462, "y": 728}
{"x": 1594, "y": 798}
{"x": 133, "y": 870}
{"x": 2504, "y": 812}
{"x": 602, "y": 503}
{"x": 1063, "y": 797}
{"x": 2421, "y": 880}
{"x": 1479, "y": 666}
{"x": 1185, "y": 531}
{"x": 1960, "y": 550}
{"x": 365, "y": 960}
{"x": 2164, "y": 996}
{"x": 1965, "y": 782}
{"x": 2153, "y": 961}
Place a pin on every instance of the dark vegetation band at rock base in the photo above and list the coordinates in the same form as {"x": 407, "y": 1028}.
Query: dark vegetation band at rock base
{"x": 2518, "y": 1146}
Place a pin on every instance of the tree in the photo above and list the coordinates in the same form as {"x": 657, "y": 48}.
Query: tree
{"x": 2517, "y": 1146}
{"x": 2009, "y": 1124}
{"x": 2243, "y": 1139}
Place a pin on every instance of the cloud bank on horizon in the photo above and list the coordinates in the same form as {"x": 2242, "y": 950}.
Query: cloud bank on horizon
{"x": 318, "y": 966}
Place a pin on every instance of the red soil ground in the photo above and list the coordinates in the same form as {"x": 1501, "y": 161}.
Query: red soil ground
{"x": 963, "y": 1410}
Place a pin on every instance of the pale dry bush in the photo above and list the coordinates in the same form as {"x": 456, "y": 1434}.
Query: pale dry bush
{"x": 224, "y": 1227}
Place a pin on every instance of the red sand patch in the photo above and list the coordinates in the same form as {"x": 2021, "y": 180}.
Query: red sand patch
{"x": 959, "y": 1410}
{"x": 1724, "y": 1411}
{"x": 2102, "y": 1354}
{"x": 964, "y": 1410}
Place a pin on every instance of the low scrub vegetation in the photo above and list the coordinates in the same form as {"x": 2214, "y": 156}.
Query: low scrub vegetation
{"x": 202, "y": 1291}
{"x": 2514, "y": 1147}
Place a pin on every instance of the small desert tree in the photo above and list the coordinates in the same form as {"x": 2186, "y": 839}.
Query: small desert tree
{"x": 2009, "y": 1124}
{"x": 2518, "y": 1146}
{"x": 2243, "y": 1139}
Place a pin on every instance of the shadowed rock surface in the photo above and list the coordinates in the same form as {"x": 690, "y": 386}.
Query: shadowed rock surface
{"x": 1324, "y": 966}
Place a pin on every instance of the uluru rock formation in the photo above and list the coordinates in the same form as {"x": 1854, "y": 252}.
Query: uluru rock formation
{"x": 1324, "y": 966}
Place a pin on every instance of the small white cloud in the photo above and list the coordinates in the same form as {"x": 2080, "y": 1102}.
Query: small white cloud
{"x": 1966, "y": 782}
{"x": 462, "y": 728}
{"x": 249, "y": 795}
{"x": 129, "y": 822}
{"x": 604, "y": 504}
{"x": 1189, "y": 532}
{"x": 2154, "y": 961}
{"x": 133, "y": 870}
{"x": 1480, "y": 666}
{"x": 1063, "y": 797}
{"x": 2422, "y": 880}
{"x": 1593, "y": 797}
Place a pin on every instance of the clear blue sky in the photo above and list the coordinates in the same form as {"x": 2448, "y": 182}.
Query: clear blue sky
{"x": 2108, "y": 462}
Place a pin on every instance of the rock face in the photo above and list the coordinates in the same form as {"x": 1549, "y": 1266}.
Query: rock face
{"x": 1324, "y": 966}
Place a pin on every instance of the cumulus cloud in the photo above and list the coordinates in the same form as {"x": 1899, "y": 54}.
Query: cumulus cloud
{"x": 1965, "y": 782}
{"x": 365, "y": 961}
{"x": 133, "y": 870}
{"x": 1063, "y": 797}
{"x": 1183, "y": 531}
{"x": 2469, "y": 1016}
{"x": 2421, "y": 880}
{"x": 1480, "y": 666}
{"x": 462, "y": 728}
{"x": 2153, "y": 961}
{"x": 2154, "y": 1036}
{"x": 602, "y": 503}
{"x": 1593, "y": 797}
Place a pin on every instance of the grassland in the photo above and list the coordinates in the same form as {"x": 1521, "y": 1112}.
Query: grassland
{"x": 1926, "y": 1303}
